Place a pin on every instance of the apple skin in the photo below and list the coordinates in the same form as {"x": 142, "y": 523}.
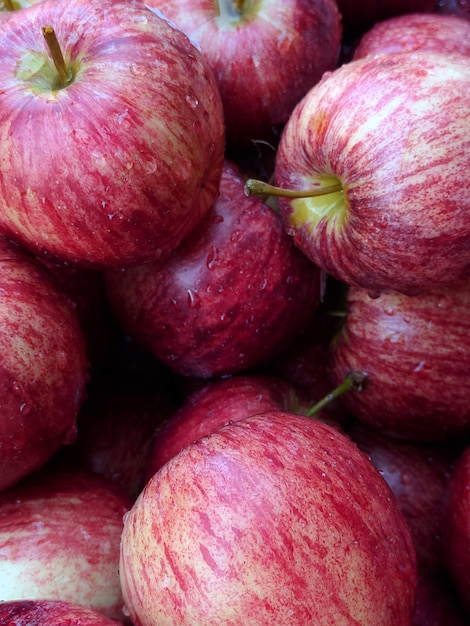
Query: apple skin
{"x": 418, "y": 475}
{"x": 213, "y": 405}
{"x": 141, "y": 124}
{"x": 456, "y": 526}
{"x": 272, "y": 519}
{"x": 416, "y": 31}
{"x": 59, "y": 539}
{"x": 115, "y": 429}
{"x": 415, "y": 353}
{"x": 234, "y": 293}
{"x": 392, "y": 214}
{"x": 43, "y": 365}
{"x": 265, "y": 58}
{"x": 51, "y": 613}
{"x": 437, "y": 601}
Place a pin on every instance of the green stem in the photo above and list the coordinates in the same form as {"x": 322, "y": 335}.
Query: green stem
{"x": 259, "y": 187}
{"x": 353, "y": 381}
{"x": 65, "y": 74}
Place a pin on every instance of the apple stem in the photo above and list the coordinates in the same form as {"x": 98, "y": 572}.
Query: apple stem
{"x": 259, "y": 187}
{"x": 8, "y": 5}
{"x": 239, "y": 5}
{"x": 65, "y": 74}
{"x": 353, "y": 381}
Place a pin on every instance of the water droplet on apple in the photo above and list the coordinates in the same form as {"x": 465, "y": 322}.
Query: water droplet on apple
{"x": 445, "y": 302}
{"x": 125, "y": 611}
{"x": 236, "y": 236}
{"x": 192, "y": 101}
{"x": 193, "y": 299}
{"x": 211, "y": 258}
{"x": 420, "y": 366}
{"x": 25, "y": 408}
{"x": 406, "y": 478}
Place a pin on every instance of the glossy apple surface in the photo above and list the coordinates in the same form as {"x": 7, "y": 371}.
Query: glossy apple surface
{"x": 51, "y": 613}
{"x": 59, "y": 539}
{"x": 119, "y": 165}
{"x": 43, "y": 365}
{"x": 233, "y": 294}
{"x": 456, "y": 527}
{"x": 265, "y": 55}
{"x": 388, "y": 135}
{"x": 415, "y": 352}
{"x": 417, "y": 31}
{"x": 274, "y": 519}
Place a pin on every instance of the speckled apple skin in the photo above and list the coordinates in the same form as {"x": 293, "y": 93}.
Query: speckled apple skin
{"x": 43, "y": 365}
{"x": 415, "y": 351}
{"x": 233, "y": 294}
{"x": 51, "y": 613}
{"x": 59, "y": 540}
{"x": 266, "y": 60}
{"x": 273, "y": 519}
{"x": 393, "y": 129}
{"x": 456, "y": 527}
{"x": 120, "y": 165}
{"x": 449, "y": 34}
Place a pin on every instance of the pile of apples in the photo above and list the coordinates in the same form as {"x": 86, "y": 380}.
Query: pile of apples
{"x": 234, "y": 312}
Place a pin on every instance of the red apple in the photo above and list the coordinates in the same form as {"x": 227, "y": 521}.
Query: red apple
{"x": 384, "y": 141}
{"x": 456, "y": 526}
{"x": 437, "y": 601}
{"x": 265, "y": 55}
{"x": 51, "y": 613}
{"x": 415, "y": 351}
{"x": 59, "y": 540}
{"x": 233, "y": 294}
{"x": 272, "y": 519}
{"x": 418, "y": 475}
{"x": 416, "y": 31}
{"x": 43, "y": 365}
{"x": 115, "y": 163}
{"x": 115, "y": 429}
{"x": 213, "y": 405}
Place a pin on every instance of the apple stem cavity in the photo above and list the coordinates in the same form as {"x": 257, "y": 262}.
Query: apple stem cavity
{"x": 8, "y": 5}
{"x": 354, "y": 381}
{"x": 65, "y": 74}
{"x": 259, "y": 187}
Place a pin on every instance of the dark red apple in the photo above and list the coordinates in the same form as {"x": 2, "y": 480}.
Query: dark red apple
{"x": 43, "y": 365}
{"x": 448, "y": 34}
{"x": 233, "y": 294}
{"x": 274, "y": 519}
{"x": 115, "y": 428}
{"x": 418, "y": 475}
{"x": 456, "y": 527}
{"x": 437, "y": 601}
{"x": 111, "y": 151}
{"x": 415, "y": 351}
{"x": 215, "y": 404}
{"x": 59, "y": 540}
{"x": 265, "y": 55}
{"x": 51, "y": 613}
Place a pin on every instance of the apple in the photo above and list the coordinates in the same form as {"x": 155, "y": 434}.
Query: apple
{"x": 233, "y": 294}
{"x": 213, "y": 405}
{"x": 456, "y": 526}
{"x": 265, "y": 55}
{"x": 415, "y": 352}
{"x": 454, "y": 7}
{"x": 418, "y": 474}
{"x": 59, "y": 540}
{"x": 449, "y": 34}
{"x": 272, "y": 519}
{"x": 51, "y": 613}
{"x": 114, "y": 157}
{"x": 43, "y": 365}
{"x": 372, "y": 169}
{"x": 115, "y": 429}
